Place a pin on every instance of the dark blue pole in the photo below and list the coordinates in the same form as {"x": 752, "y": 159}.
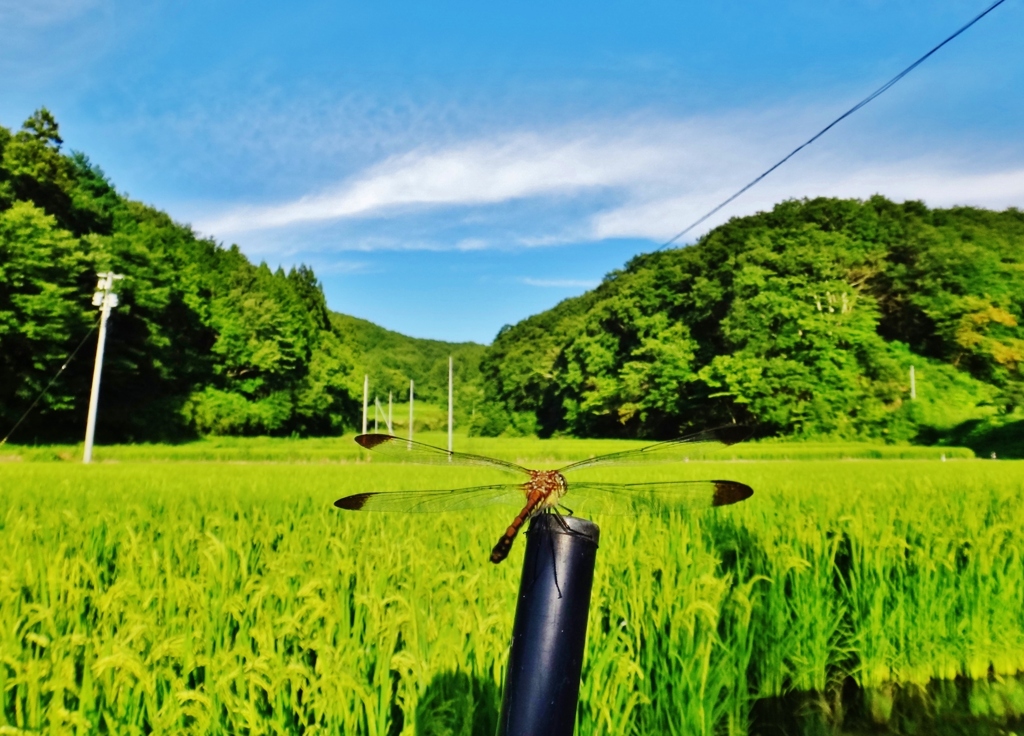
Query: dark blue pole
{"x": 542, "y": 686}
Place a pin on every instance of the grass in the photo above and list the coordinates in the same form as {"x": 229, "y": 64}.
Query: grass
{"x": 215, "y": 597}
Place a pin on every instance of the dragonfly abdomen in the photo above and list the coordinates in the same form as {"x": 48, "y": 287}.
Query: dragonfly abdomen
{"x": 504, "y": 545}
{"x": 501, "y": 549}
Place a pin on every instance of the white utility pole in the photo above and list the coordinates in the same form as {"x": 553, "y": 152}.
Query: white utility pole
{"x": 410, "y": 409}
{"x": 449, "y": 404}
{"x": 378, "y": 409}
{"x": 913, "y": 385}
{"x": 105, "y": 299}
{"x": 366, "y": 398}
{"x": 391, "y": 426}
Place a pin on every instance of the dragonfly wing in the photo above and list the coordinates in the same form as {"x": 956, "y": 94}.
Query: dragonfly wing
{"x": 653, "y": 498}
{"x": 425, "y": 502}
{"x": 692, "y": 447}
{"x": 400, "y": 450}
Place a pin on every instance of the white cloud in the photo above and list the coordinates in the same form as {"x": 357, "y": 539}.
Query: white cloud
{"x": 486, "y": 172}
{"x": 276, "y": 245}
{"x": 36, "y": 13}
{"x": 561, "y": 283}
{"x": 661, "y": 218}
{"x": 340, "y": 267}
{"x": 632, "y": 179}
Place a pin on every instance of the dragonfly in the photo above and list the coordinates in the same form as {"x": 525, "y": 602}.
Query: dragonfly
{"x": 542, "y": 491}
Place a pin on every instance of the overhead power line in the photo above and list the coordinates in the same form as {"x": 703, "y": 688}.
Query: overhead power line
{"x": 831, "y": 125}
{"x": 53, "y": 380}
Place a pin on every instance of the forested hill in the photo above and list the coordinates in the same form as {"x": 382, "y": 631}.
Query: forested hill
{"x": 391, "y": 359}
{"x": 800, "y": 321}
{"x": 203, "y": 340}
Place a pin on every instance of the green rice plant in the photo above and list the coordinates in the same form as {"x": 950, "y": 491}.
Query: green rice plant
{"x": 216, "y": 597}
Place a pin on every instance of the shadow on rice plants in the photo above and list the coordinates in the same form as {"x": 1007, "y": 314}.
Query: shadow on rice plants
{"x": 1005, "y": 439}
{"x": 960, "y": 707}
{"x": 458, "y": 704}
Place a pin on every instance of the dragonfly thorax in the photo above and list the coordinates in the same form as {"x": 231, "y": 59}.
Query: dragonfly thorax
{"x": 550, "y": 484}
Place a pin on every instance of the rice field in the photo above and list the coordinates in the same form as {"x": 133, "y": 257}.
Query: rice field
{"x": 519, "y": 449}
{"x": 224, "y": 596}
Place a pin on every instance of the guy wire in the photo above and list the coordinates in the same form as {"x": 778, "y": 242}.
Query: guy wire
{"x": 52, "y": 381}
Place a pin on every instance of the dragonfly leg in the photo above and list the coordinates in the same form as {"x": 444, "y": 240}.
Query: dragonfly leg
{"x": 561, "y": 522}
{"x": 563, "y": 506}
{"x": 554, "y": 565}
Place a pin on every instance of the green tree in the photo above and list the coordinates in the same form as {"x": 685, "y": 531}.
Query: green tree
{"x": 801, "y": 320}
{"x": 203, "y": 341}
{"x": 43, "y": 312}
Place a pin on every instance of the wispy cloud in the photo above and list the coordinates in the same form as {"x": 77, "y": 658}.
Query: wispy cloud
{"x": 561, "y": 283}
{"x": 37, "y": 13}
{"x": 483, "y": 172}
{"x": 659, "y": 218}
{"x": 629, "y": 179}
{"x": 341, "y": 267}
{"x": 297, "y": 244}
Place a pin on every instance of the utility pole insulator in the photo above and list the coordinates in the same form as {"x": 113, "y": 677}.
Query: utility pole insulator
{"x": 105, "y": 299}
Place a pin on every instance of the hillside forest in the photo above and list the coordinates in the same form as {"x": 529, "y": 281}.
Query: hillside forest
{"x": 803, "y": 321}
{"x": 203, "y": 342}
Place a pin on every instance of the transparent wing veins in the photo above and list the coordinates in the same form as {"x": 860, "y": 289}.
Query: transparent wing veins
{"x": 402, "y": 450}
{"x": 429, "y": 502}
{"x": 694, "y": 445}
{"x": 653, "y": 498}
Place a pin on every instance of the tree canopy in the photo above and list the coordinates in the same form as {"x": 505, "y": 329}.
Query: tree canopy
{"x": 800, "y": 321}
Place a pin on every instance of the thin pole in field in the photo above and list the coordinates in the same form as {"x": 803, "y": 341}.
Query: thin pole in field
{"x": 449, "y": 405}
{"x": 378, "y": 410}
{"x": 390, "y": 425}
{"x": 913, "y": 385}
{"x": 410, "y": 408}
{"x": 366, "y": 398}
{"x": 105, "y": 299}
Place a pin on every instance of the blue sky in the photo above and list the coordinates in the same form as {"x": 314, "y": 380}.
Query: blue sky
{"x": 448, "y": 168}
